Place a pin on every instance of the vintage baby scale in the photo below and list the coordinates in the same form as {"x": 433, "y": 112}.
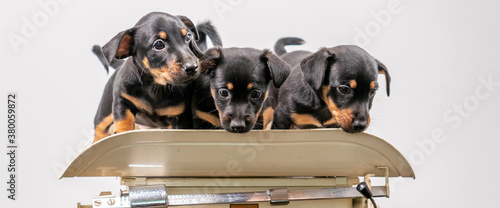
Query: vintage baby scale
{"x": 317, "y": 168}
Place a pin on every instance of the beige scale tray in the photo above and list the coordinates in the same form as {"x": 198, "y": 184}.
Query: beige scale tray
{"x": 214, "y": 153}
{"x": 194, "y": 161}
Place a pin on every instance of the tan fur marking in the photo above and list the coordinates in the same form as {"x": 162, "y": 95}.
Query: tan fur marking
{"x": 165, "y": 74}
{"x": 138, "y": 103}
{"x": 305, "y": 119}
{"x": 267, "y": 118}
{"x": 329, "y": 102}
{"x": 171, "y": 111}
{"x": 125, "y": 44}
{"x": 334, "y": 110}
{"x": 126, "y": 124}
{"x": 212, "y": 92}
{"x": 249, "y": 86}
{"x": 230, "y": 86}
{"x": 372, "y": 85}
{"x": 101, "y": 128}
{"x": 353, "y": 84}
{"x": 162, "y": 35}
{"x": 260, "y": 109}
{"x": 208, "y": 117}
{"x": 183, "y": 31}
{"x": 145, "y": 62}
{"x": 345, "y": 118}
{"x": 331, "y": 121}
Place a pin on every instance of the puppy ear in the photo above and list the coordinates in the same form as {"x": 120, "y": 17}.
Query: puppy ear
{"x": 189, "y": 24}
{"x": 210, "y": 59}
{"x": 279, "y": 69}
{"x": 121, "y": 46}
{"x": 383, "y": 70}
{"x": 314, "y": 67}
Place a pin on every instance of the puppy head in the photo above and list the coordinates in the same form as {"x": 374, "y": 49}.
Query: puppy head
{"x": 159, "y": 44}
{"x": 346, "y": 79}
{"x": 239, "y": 82}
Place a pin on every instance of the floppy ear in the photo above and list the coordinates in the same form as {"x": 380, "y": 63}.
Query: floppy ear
{"x": 383, "y": 70}
{"x": 278, "y": 68}
{"x": 189, "y": 24}
{"x": 314, "y": 67}
{"x": 210, "y": 59}
{"x": 121, "y": 46}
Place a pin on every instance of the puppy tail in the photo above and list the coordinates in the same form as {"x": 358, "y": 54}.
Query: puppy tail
{"x": 279, "y": 47}
{"x": 115, "y": 63}
{"x": 207, "y": 28}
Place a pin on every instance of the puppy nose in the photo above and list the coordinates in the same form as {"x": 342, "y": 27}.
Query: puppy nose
{"x": 237, "y": 126}
{"x": 190, "y": 68}
{"x": 359, "y": 125}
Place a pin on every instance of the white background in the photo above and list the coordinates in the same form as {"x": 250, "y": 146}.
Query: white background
{"x": 436, "y": 51}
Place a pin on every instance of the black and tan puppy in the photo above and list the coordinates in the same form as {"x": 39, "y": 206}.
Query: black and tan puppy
{"x": 333, "y": 87}
{"x": 233, "y": 86}
{"x": 151, "y": 88}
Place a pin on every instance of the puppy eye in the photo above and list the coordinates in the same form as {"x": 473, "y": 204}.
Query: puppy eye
{"x": 344, "y": 89}
{"x": 189, "y": 36}
{"x": 255, "y": 94}
{"x": 224, "y": 93}
{"x": 158, "y": 45}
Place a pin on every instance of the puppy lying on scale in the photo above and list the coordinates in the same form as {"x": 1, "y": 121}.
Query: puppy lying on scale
{"x": 151, "y": 88}
{"x": 333, "y": 87}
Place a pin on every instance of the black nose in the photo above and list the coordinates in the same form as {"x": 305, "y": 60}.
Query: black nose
{"x": 237, "y": 126}
{"x": 190, "y": 68}
{"x": 359, "y": 125}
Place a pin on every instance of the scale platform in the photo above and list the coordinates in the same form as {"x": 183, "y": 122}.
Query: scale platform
{"x": 195, "y": 165}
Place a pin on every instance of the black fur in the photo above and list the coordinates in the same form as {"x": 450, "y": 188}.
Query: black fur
{"x": 327, "y": 74}
{"x": 233, "y": 85}
{"x": 156, "y": 77}
{"x": 279, "y": 47}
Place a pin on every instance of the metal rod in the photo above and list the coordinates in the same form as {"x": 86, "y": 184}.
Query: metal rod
{"x": 293, "y": 195}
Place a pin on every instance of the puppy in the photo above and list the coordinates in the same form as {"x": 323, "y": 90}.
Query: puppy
{"x": 333, "y": 87}
{"x": 151, "y": 88}
{"x": 233, "y": 86}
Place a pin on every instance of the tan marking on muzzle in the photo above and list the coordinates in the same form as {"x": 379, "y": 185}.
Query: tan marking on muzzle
{"x": 165, "y": 74}
{"x": 345, "y": 118}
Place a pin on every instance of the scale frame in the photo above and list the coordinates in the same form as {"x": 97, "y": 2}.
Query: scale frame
{"x": 215, "y": 161}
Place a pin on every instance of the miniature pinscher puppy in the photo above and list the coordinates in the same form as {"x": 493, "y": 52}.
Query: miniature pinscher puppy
{"x": 152, "y": 87}
{"x": 333, "y": 87}
{"x": 233, "y": 86}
